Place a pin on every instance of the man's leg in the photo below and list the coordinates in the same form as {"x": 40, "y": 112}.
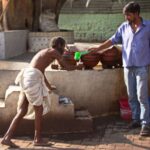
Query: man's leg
{"x": 38, "y": 124}
{"x": 142, "y": 91}
{"x": 15, "y": 122}
{"x": 130, "y": 81}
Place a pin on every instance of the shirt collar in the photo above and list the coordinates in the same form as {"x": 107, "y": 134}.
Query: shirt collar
{"x": 143, "y": 22}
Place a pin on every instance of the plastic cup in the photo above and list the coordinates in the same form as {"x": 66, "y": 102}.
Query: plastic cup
{"x": 77, "y": 56}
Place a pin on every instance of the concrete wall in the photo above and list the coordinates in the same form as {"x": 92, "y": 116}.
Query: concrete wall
{"x": 19, "y": 15}
{"x": 93, "y": 27}
{"x": 97, "y": 91}
{"x": 101, "y": 6}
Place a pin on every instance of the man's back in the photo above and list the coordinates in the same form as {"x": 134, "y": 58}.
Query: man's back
{"x": 44, "y": 58}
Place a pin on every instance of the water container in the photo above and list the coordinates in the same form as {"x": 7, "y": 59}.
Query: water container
{"x": 125, "y": 110}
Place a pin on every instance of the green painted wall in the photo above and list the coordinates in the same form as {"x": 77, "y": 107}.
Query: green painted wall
{"x": 93, "y": 27}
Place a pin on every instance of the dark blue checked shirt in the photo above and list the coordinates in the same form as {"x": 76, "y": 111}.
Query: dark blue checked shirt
{"x": 135, "y": 45}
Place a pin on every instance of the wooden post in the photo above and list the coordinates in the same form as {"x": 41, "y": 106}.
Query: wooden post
{"x": 36, "y": 14}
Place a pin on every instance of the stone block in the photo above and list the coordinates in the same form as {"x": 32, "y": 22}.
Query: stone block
{"x": 13, "y": 43}
{"x": 61, "y": 110}
{"x": 60, "y": 119}
{"x": 57, "y": 110}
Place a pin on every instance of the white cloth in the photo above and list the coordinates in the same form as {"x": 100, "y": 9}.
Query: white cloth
{"x": 31, "y": 81}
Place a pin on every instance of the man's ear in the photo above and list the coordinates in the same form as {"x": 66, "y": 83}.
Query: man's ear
{"x": 136, "y": 13}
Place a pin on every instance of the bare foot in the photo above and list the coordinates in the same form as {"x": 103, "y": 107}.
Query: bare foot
{"x": 42, "y": 142}
{"x": 8, "y": 143}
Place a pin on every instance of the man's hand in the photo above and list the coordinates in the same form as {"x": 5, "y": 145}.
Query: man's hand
{"x": 102, "y": 46}
{"x": 53, "y": 87}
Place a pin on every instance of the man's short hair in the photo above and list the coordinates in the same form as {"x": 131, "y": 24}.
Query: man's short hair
{"x": 131, "y": 7}
{"x": 57, "y": 41}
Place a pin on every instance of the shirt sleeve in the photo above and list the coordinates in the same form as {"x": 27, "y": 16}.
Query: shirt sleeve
{"x": 117, "y": 37}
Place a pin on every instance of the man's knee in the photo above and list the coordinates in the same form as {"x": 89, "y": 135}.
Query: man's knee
{"x": 22, "y": 112}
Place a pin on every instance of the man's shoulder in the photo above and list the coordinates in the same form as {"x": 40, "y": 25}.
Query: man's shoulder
{"x": 123, "y": 25}
{"x": 53, "y": 52}
{"x": 146, "y": 22}
{"x": 42, "y": 50}
{"x": 48, "y": 51}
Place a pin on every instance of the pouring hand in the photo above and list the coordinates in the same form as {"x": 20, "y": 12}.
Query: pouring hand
{"x": 93, "y": 50}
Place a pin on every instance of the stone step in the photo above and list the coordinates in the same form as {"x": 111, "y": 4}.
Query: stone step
{"x": 58, "y": 108}
{"x": 53, "y": 125}
{"x": 82, "y": 113}
{"x": 62, "y": 117}
{"x": 82, "y": 122}
{"x": 76, "y": 125}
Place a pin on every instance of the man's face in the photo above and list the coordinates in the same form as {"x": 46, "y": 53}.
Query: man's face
{"x": 130, "y": 17}
{"x": 61, "y": 48}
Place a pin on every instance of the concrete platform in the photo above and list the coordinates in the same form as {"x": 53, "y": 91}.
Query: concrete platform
{"x": 97, "y": 91}
{"x": 61, "y": 118}
{"x": 107, "y": 134}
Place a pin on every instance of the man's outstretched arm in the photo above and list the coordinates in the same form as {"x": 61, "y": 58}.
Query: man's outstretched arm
{"x": 102, "y": 46}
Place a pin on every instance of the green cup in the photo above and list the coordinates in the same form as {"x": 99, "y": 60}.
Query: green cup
{"x": 77, "y": 56}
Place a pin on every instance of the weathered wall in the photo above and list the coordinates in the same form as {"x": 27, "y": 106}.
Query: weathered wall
{"x": 93, "y": 27}
{"x": 99, "y": 20}
{"x": 101, "y": 6}
{"x": 97, "y": 91}
{"x": 18, "y": 15}
{"x": 24, "y": 14}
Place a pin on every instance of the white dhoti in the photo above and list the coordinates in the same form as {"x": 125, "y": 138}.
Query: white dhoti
{"x": 31, "y": 81}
